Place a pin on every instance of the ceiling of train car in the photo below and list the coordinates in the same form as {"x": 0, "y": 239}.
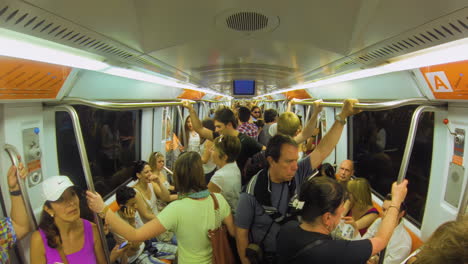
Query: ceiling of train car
{"x": 299, "y": 36}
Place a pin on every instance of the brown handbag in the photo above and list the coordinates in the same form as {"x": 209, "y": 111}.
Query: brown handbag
{"x": 222, "y": 252}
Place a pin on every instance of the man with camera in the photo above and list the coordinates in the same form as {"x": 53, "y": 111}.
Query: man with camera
{"x": 268, "y": 199}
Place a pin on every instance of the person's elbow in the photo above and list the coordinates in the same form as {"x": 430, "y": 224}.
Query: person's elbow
{"x": 21, "y": 230}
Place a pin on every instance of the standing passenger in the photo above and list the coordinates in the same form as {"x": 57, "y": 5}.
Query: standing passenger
{"x": 191, "y": 137}
{"x": 322, "y": 204}
{"x": 189, "y": 218}
{"x": 226, "y": 124}
{"x": 17, "y": 226}
{"x": 256, "y": 113}
{"x": 250, "y": 129}
{"x": 227, "y": 179}
{"x": 270, "y": 118}
{"x": 63, "y": 236}
{"x": 264, "y": 206}
{"x": 209, "y": 167}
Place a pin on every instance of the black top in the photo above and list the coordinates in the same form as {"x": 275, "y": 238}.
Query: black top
{"x": 249, "y": 147}
{"x": 292, "y": 239}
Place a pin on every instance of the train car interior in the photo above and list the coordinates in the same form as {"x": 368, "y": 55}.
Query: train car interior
{"x": 89, "y": 87}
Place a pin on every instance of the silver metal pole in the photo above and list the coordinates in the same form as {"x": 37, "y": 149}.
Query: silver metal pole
{"x": 116, "y": 105}
{"x": 85, "y": 165}
{"x": 15, "y": 159}
{"x": 463, "y": 205}
{"x": 411, "y": 136}
{"x": 375, "y": 106}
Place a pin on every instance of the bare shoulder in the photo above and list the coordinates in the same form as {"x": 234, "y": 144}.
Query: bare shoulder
{"x": 36, "y": 241}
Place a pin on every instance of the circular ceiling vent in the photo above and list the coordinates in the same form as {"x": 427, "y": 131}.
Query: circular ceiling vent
{"x": 247, "y": 21}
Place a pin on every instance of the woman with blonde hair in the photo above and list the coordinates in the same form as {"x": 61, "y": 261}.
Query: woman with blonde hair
{"x": 156, "y": 161}
{"x": 189, "y": 218}
{"x": 359, "y": 206}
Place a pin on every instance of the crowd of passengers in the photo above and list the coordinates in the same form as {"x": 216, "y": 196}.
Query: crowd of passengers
{"x": 276, "y": 206}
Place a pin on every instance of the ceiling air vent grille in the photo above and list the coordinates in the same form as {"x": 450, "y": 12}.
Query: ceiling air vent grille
{"x": 247, "y": 21}
{"x": 437, "y": 32}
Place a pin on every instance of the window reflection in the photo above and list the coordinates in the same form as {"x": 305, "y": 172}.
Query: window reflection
{"x": 378, "y": 145}
{"x": 112, "y": 144}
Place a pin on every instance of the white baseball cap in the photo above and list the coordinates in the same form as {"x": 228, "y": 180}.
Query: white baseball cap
{"x": 53, "y": 187}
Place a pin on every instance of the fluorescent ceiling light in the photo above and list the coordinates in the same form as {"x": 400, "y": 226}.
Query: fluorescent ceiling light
{"x": 445, "y": 53}
{"x": 152, "y": 78}
{"x": 17, "y": 45}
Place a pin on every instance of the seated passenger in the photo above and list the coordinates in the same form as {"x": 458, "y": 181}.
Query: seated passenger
{"x": 126, "y": 199}
{"x": 399, "y": 246}
{"x": 227, "y": 179}
{"x": 16, "y": 227}
{"x": 148, "y": 189}
{"x": 249, "y": 129}
{"x": 209, "y": 167}
{"x": 63, "y": 235}
{"x": 345, "y": 172}
{"x": 360, "y": 204}
{"x": 321, "y": 204}
{"x": 448, "y": 245}
{"x": 156, "y": 162}
{"x": 190, "y": 217}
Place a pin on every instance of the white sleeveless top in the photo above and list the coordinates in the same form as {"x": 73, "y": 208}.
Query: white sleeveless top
{"x": 210, "y": 165}
{"x": 150, "y": 203}
{"x": 194, "y": 142}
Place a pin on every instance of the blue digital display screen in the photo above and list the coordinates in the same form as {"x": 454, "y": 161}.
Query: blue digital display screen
{"x": 244, "y": 87}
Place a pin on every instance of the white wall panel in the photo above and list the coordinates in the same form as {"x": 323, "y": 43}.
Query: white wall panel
{"x": 99, "y": 86}
{"x": 438, "y": 211}
{"x": 396, "y": 85}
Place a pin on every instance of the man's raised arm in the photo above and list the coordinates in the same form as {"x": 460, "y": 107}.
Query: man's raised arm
{"x": 329, "y": 141}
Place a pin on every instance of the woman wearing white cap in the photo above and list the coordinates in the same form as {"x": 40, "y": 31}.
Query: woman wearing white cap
{"x": 63, "y": 237}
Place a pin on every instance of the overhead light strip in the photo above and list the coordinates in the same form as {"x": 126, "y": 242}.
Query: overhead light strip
{"x": 445, "y": 53}
{"x": 18, "y": 45}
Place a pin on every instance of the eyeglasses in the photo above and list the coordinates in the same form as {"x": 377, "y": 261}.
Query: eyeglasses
{"x": 256, "y": 112}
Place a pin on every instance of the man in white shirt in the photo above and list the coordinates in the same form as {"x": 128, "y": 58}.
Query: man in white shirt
{"x": 399, "y": 246}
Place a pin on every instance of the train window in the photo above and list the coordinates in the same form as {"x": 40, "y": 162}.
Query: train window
{"x": 112, "y": 144}
{"x": 378, "y": 143}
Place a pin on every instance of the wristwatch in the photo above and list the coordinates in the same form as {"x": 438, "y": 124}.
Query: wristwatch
{"x": 340, "y": 119}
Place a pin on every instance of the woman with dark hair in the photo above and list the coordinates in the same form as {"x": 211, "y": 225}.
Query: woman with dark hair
{"x": 64, "y": 237}
{"x": 227, "y": 179}
{"x": 148, "y": 188}
{"x": 321, "y": 204}
{"x": 327, "y": 170}
{"x": 189, "y": 218}
{"x": 191, "y": 137}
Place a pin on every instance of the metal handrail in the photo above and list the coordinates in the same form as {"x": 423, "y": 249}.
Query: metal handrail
{"x": 463, "y": 205}
{"x": 380, "y": 106}
{"x": 15, "y": 159}
{"x": 85, "y": 165}
{"x": 116, "y": 105}
{"x": 411, "y": 136}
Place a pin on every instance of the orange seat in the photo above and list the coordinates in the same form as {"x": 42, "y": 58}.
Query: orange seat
{"x": 114, "y": 206}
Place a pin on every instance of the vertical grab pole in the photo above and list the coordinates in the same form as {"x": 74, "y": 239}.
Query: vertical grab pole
{"x": 15, "y": 159}
{"x": 86, "y": 169}
{"x": 411, "y": 136}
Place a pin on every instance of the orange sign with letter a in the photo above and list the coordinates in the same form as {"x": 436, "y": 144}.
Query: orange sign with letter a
{"x": 448, "y": 81}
